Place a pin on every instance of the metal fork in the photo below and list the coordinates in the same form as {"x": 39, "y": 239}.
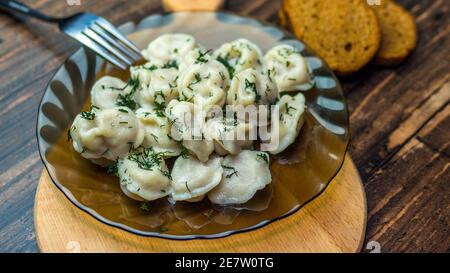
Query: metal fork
{"x": 90, "y": 30}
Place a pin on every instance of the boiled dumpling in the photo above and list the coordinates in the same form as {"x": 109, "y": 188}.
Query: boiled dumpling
{"x": 250, "y": 87}
{"x": 157, "y": 132}
{"x": 187, "y": 127}
{"x": 106, "y": 133}
{"x": 144, "y": 175}
{"x": 289, "y": 69}
{"x": 158, "y": 86}
{"x": 108, "y": 92}
{"x": 230, "y": 135}
{"x": 204, "y": 83}
{"x": 239, "y": 55}
{"x": 168, "y": 48}
{"x": 243, "y": 175}
{"x": 291, "y": 109}
{"x": 196, "y": 55}
{"x": 192, "y": 179}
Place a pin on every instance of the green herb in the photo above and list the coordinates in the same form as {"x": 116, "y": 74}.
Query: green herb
{"x": 252, "y": 87}
{"x": 289, "y": 108}
{"x": 262, "y": 156}
{"x": 122, "y": 110}
{"x": 229, "y": 67}
{"x": 113, "y": 170}
{"x": 201, "y": 57}
{"x": 234, "y": 172}
{"x": 198, "y": 79}
{"x": 187, "y": 187}
{"x": 170, "y": 64}
{"x": 146, "y": 159}
{"x": 127, "y": 100}
{"x": 151, "y": 68}
{"x": 89, "y": 115}
{"x": 166, "y": 174}
{"x": 159, "y": 109}
{"x": 144, "y": 206}
{"x": 155, "y": 137}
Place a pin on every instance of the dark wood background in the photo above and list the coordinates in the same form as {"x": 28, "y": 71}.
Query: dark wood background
{"x": 400, "y": 122}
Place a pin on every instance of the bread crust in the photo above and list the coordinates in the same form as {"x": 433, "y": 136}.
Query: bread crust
{"x": 345, "y": 33}
{"x": 399, "y": 33}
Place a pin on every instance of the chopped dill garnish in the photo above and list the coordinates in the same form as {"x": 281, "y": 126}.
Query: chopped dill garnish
{"x": 170, "y": 64}
{"x": 127, "y": 101}
{"x": 146, "y": 159}
{"x": 225, "y": 62}
{"x": 262, "y": 156}
{"x": 151, "y": 68}
{"x": 144, "y": 206}
{"x": 155, "y": 137}
{"x": 232, "y": 169}
{"x": 89, "y": 115}
{"x": 113, "y": 170}
{"x": 201, "y": 57}
{"x": 187, "y": 187}
{"x": 198, "y": 79}
{"x": 252, "y": 87}
{"x": 289, "y": 108}
{"x": 122, "y": 110}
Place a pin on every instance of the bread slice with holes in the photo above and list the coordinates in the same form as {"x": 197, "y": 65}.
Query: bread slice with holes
{"x": 399, "y": 33}
{"x": 345, "y": 33}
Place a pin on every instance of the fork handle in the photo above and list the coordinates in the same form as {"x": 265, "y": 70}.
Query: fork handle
{"x": 15, "y": 6}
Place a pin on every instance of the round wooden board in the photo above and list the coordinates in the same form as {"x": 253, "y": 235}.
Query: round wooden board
{"x": 333, "y": 222}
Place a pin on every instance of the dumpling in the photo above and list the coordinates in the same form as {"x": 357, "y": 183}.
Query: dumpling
{"x": 196, "y": 55}
{"x": 290, "y": 70}
{"x": 230, "y": 135}
{"x": 158, "y": 86}
{"x": 192, "y": 179}
{"x": 187, "y": 126}
{"x": 250, "y": 87}
{"x": 106, "y": 133}
{"x": 157, "y": 132}
{"x": 239, "y": 55}
{"x": 204, "y": 83}
{"x": 168, "y": 48}
{"x": 291, "y": 109}
{"x": 243, "y": 175}
{"x": 144, "y": 175}
{"x": 109, "y": 92}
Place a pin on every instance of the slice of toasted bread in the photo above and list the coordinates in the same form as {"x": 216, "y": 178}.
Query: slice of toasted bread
{"x": 399, "y": 33}
{"x": 345, "y": 33}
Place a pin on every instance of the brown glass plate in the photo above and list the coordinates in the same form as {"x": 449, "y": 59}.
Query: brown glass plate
{"x": 299, "y": 175}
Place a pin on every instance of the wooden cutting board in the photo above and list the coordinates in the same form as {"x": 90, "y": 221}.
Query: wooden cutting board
{"x": 333, "y": 222}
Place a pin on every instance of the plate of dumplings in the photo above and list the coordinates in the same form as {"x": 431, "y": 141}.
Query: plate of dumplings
{"x": 226, "y": 125}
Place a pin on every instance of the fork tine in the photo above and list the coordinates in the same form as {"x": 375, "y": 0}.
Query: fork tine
{"x": 97, "y": 39}
{"x": 113, "y": 31}
{"x": 100, "y": 50}
{"x": 98, "y": 30}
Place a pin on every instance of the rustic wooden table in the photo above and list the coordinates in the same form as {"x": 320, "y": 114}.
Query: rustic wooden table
{"x": 400, "y": 122}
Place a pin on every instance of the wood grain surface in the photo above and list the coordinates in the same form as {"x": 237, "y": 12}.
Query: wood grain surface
{"x": 400, "y": 122}
{"x": 334, "y": 222}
